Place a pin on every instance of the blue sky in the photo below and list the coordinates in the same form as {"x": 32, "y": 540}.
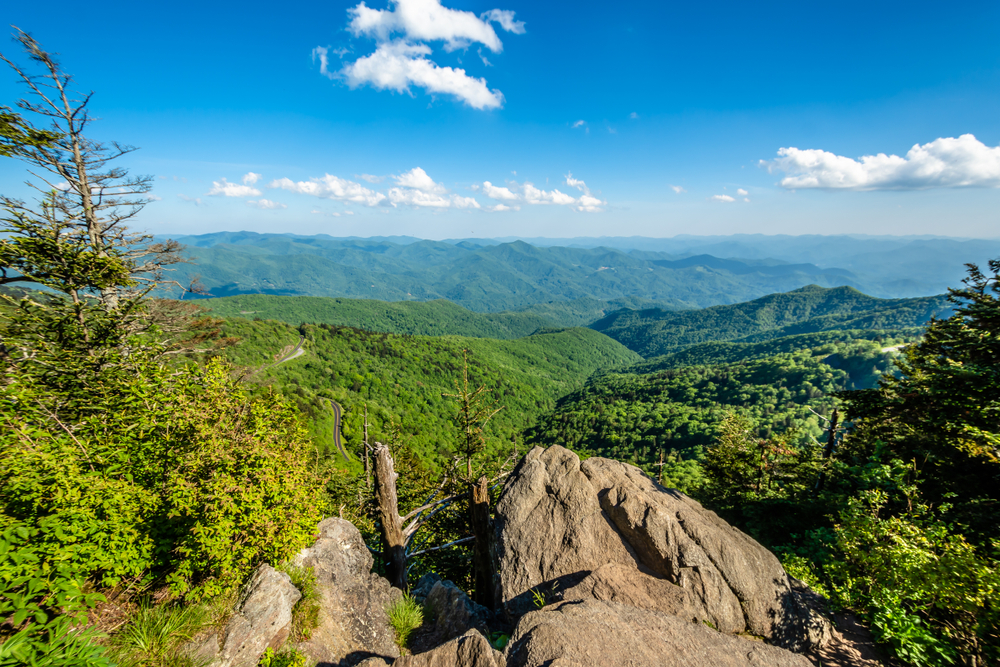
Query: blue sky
{"x": 579, "y": 118}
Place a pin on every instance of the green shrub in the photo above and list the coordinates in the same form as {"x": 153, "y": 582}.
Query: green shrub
{"x": 405, "y": 616}
{"x": 42, "y": 600}
{"x": 284, "y": 658}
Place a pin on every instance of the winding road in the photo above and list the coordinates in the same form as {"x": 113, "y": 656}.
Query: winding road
{"x": 336, "y": 428}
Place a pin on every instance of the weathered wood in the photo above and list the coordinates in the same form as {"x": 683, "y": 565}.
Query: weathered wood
{"x": 393, "y": 543}
{"x": 482, "y": 553}
{"x": 831, "y": 444}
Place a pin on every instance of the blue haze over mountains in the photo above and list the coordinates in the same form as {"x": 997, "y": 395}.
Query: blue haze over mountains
{"x": 492, "y": 275}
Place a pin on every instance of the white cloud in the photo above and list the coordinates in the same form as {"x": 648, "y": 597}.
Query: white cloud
{"x": 422, "y": 199}
{"x": 319, "y": 212}
{"x": 747, "y": 200}
{"x": 250, "y": 178}
{"x": 369, "y": 178}
{"x": 397, "y": 65}
{"x": 943, "y": 163}
{"x": 418, "y": 179}
{"x": 484, "y": 58}
{"x": 428, "y": 21}
{"x": 505, "y": 18}
{"x": 154, "y": 198}
{"x": 742, "y": 192}
{"x": 579, "y": 123}
{"x": 266, "y": 204}
{"x": 499, "y": 208}
{"x": 589, "y": 204}
{"x": 533, "y": 195}
{"x": 193, "y": 200}
{"x": 225, "y": 189}
{"x": 678, "y": 189}
{"x": 332, "y": 187}
{"x": 576, "y": 183}
{"x": 633, "y": 115}
{"x": 722, "y": 198}
{"x": 324, "y": 61}
{"x": 494, "y": 192}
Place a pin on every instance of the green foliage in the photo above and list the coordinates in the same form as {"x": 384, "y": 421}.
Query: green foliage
{"x": 810, "y": 309}
{"x": 286, "y": 658}
{"x": 405, "y": 616}
{"x": 927, "y": 591}
{"x": 42, "y": 599}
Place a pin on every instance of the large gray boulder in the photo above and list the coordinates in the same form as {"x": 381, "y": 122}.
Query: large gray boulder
{"x": 263, "y": 621}
{"x": 592, "y": 632}
{"x": 560, "y": 522}
{"x": 453, "y": 612}
{"x": 469, "y": 650}
{"x": 353, "y": 624}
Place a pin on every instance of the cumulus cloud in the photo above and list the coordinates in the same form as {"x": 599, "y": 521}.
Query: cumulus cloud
{"x": 398, "y": 65}
{"x": 225, "y": 189}
{"x": 429, "y": 21}
{"x": 494, "y": 192}
{"x": 741, "y": 192}
{"x": 422, "y": 199}
{"x": 948, "y": 162}
{"x": 722, "y": 198}
{"x": 418, "y": 179}
{"x": 332, "y": 187}
{"x": 250, "y": 178}
{"x": 266, "y": 204}
{"x": 678, "y": 189}
{"x": 533, "y": 195}
{"x": 499, "y": 208}
{"x": 401, "y": 55}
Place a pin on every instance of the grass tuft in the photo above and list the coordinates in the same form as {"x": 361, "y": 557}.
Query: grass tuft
{"x": 405, "y": 616}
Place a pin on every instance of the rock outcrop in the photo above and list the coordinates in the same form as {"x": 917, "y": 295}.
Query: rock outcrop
{"x": 453, "y": 612}
{"x": 603, "y": 530}
{"x": 263, "y": 621}
{"x": 593, "y": 632}
{"x": 469, "y": 650}
{"x": 353, "y": 624}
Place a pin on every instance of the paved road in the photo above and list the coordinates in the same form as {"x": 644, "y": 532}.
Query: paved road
{"x": 336, "y": 428}
{"x": 297, "y": 352}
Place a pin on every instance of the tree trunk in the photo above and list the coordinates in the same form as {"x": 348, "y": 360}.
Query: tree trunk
{"x": 393, "y": 544}
{"x": 482, "y": 554}
{"x": 831, "y": 443}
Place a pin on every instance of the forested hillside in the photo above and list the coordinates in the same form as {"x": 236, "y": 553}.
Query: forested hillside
{"x": 810, "y": 309}
{"x": 402, "y": 379}
{"x": 490, "y": 278}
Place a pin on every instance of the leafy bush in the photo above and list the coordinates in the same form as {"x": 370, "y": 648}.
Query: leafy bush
{"x": 42, "y": 602}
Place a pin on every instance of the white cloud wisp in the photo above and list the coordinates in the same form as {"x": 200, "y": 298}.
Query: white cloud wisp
{"x": 223, "y": 188}
{"x": 947, "y": 162}
{"x": 266, "y": 204}
{"x": 332, "y": 187}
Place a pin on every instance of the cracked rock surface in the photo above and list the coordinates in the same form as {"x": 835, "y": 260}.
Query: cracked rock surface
{"x": 353, "y": 625}
{"x": 603, "y": 530}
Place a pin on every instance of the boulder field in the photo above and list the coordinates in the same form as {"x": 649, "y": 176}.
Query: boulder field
{"x": 631, "y": 574}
